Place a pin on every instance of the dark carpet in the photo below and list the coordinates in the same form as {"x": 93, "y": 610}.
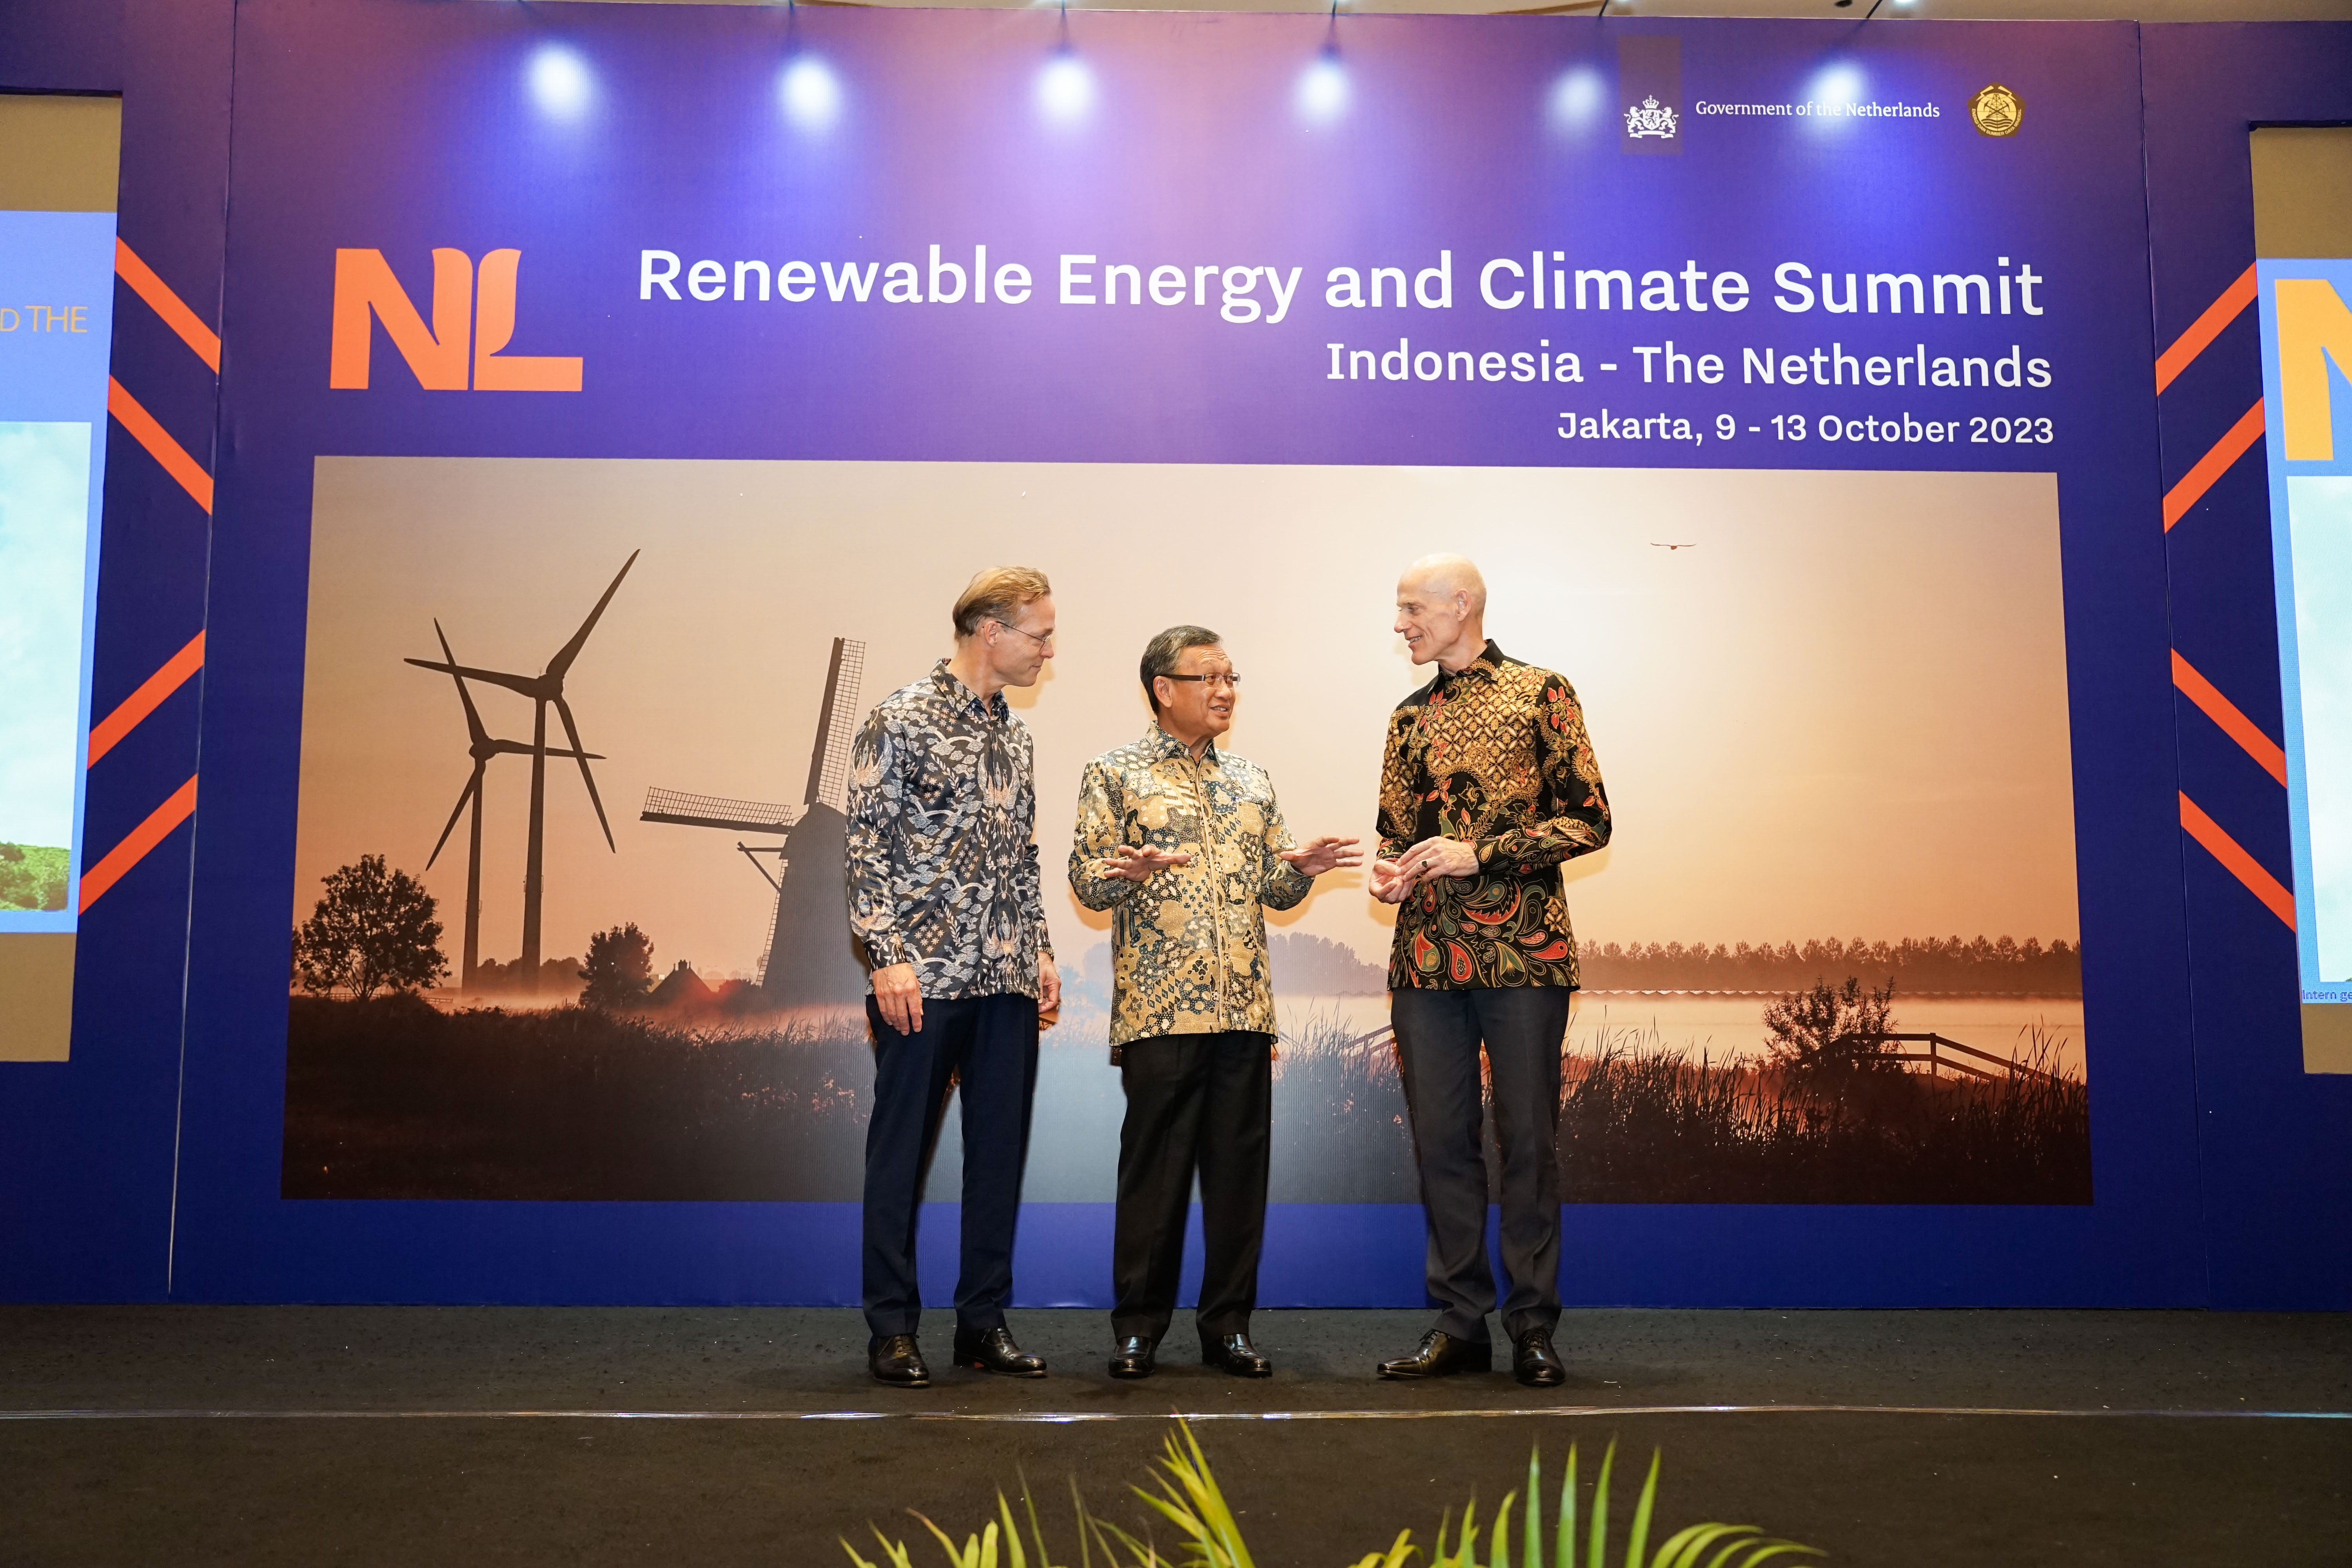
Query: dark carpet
{"x": 337, "y": 1435}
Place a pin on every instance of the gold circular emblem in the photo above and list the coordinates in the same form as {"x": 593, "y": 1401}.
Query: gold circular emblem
{"x": 1996, "y": 110}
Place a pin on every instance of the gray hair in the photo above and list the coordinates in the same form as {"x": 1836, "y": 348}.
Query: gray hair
{"x": 1161, "y": 653}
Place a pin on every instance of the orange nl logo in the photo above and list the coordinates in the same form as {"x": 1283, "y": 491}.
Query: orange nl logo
{"x": 2314, "y": 326}
{"x": 473, "y": 319}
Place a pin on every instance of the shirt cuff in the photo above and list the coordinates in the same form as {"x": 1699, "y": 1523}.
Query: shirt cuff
{"x": 884, "y": 949}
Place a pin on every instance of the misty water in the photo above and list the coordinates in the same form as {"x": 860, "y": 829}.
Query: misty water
{"x": 1074, "y": 1140}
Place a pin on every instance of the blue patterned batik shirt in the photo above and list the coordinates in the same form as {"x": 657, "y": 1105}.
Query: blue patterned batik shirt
{"x": 942, "y": 851}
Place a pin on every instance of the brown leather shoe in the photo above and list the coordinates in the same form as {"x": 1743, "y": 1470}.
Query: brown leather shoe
{"x": 897, "y": 1361}
{"x": 1235, "y": 1354}
{"x": 992, "y": 1350}
{"x": 1535, "y": 1362}
{"x": 1133, "y": 1358}
{"x": 1441, "y": 1355}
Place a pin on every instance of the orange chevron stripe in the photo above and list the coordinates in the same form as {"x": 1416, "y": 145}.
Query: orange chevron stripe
{"x": 2204, "y": 328}
{"x": 133, "y": 849}
{"x": 2236, "y": 861}
{"x": 160, "y": 445}
{"x": 2212, "y": 466}
{"x": 2224, "y": 713}
{"x": 166, "y": 304}
{"x": 105, "y": 734}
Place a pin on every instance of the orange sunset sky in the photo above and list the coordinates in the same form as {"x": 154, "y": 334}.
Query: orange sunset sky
{"x": 1841, "y": 714}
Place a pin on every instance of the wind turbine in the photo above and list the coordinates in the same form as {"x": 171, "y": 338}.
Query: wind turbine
{"x": 545, "y": 689}
{"x": 482, "y": 748}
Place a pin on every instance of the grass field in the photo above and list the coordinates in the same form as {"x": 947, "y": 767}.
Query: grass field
{"x": 32, "y": 876}
{"x": 394, "y": 1099}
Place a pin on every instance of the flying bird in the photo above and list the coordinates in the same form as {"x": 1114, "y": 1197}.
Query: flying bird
{"x": 1655, "y": 545}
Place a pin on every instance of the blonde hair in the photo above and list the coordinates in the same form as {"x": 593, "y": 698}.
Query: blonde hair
{"x": 996, "y": 594}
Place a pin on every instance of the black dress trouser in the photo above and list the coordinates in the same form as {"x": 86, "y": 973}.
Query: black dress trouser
{"x": 1201, "y": 1102}
{"x": 988, "y": 1044}
{"x": 1438, "y": 1035}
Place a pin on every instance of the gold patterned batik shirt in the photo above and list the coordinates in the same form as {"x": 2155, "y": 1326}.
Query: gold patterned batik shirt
{"x": 1497, "y": 755}
{"x": 1188, "y": 947}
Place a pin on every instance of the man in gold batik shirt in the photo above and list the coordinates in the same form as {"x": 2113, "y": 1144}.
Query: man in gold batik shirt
{"x": 1488, "y": 786}
{"x": 1185, "y": 845}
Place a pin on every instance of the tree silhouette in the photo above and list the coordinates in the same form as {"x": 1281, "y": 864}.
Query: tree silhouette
{"x": 372, "y": 930}
{"x": 1826, "y": 1029}
{"x": 619, "y": 968}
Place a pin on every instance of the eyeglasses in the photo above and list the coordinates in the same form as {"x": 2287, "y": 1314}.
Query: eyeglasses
{"x": 1230, "y": 679}
{"x": 1046, "y": 641}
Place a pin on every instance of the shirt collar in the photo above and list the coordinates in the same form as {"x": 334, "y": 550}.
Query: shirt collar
{"x": 1160, "y": 745}
{"x": 951, "y": 687}
{"x": 1485, "y": 666}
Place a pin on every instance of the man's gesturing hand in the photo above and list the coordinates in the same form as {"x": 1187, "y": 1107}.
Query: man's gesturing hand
{"x": 899, "y": 997}
{"x": 1325, "y": 853}
{"x": 1141, "y": 862}
{"x": 1389, "y": 884}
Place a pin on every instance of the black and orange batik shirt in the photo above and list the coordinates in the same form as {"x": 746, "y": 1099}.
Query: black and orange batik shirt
{"x": 1495, "y": 755}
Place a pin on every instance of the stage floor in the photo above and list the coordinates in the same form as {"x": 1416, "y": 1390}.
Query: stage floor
{"x": 459, "y": 1436}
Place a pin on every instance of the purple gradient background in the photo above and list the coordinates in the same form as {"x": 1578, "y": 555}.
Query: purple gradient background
{"x": 405, "y": 127}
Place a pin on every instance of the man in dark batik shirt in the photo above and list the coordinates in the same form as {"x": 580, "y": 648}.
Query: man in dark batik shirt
{"x": 1489, "y": 784}
{"x": 943, "y": 891}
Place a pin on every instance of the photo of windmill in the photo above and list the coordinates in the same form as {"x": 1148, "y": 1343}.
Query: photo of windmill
{"x": 481, "y": 747}
{"x": 545, "y": 689}
{"x": 809, "y": 959}
{"x": 1915, "y": 1056}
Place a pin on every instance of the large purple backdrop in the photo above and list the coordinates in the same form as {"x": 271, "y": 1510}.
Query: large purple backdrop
{"x": 756, "y": 234}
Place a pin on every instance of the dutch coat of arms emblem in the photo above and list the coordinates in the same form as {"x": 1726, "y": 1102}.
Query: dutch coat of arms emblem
{"x": 1648, "y": 118}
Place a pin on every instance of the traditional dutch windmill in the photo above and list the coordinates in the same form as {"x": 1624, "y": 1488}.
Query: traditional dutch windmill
{"x": 811, "y": 960}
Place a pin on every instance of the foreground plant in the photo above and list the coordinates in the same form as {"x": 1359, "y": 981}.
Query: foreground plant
{"x": 1696, "y": 1546}
{"x": 1189, "y": 1498}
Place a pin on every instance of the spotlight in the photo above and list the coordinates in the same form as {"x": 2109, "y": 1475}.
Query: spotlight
{"x": 1066, "y": 88}
{"x": 1322, "y": 91}
{"x": 1576, "y": 99}
{"x": 1840, "y": 83}
{"x": 811, "y": 93}
{"x": 559, "y": 81}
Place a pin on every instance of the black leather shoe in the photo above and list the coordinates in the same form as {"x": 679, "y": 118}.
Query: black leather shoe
{"x": 896, "y": 1360}
{"x": 1535, "y": 1362}
{"x": 1442, "y": 1355}
{"x": 992, "y": 1350}
{"x": 1134, "y": 1358}
{"x": 1235, "y": 1354}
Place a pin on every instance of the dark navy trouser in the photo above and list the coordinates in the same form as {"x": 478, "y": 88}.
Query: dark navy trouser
{"x": 1438, "y": 1035}
{"x": 990, "y": 1045}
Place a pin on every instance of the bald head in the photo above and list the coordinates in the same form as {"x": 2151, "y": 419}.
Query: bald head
{"x": 1446, "y": 577}
{"x": 1442, "y": 611}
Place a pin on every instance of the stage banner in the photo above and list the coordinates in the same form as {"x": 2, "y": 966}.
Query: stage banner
{"x": 615, "y": 400}
{"x": 2306, "y": 357}
{"x": 56, "y": 310}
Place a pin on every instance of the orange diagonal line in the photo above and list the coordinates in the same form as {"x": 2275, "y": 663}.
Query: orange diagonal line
{"x": 2212, "y": 466}
{"x": 2205, "y": 329}
{"x": 2224, "y": 713}
{"x": 107, "y": 731}
{"x": 2237, "y": 862}
{"x": 160, "y": 445}
{"x": 166, "y": 304}
{"x": 133, "y": 849}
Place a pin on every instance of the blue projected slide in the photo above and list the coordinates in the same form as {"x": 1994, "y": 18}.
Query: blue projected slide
{"x": 57, "y": 300}
{"x": 2307, "y": 382}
